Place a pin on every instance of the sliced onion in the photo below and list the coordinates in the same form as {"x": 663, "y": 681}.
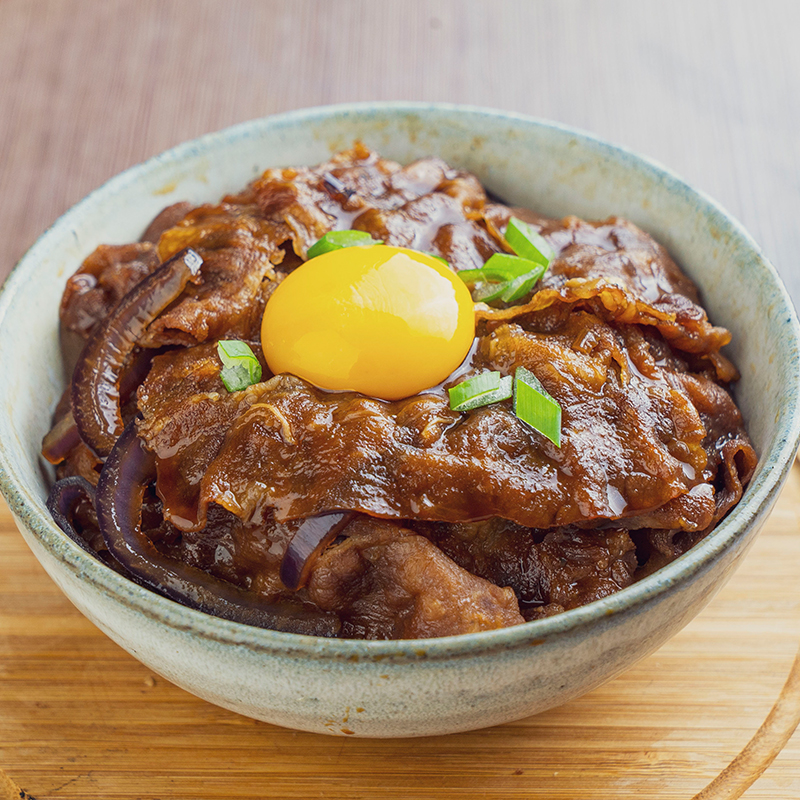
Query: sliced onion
{"x": 95, "y": 381}
{"x": 64, "y": 436}
{"x": 61, "y": 503}
{"x": 311, "y": 538}
{"x": 126, "y": 474}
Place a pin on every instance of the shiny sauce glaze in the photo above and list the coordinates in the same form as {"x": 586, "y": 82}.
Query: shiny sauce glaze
{"x": 453, "y": 521}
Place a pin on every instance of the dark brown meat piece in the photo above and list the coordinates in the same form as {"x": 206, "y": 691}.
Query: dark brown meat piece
{"x": 83, "y": 462}
{"x": 615, "y": 249}
{"x": 381, "y": 580}
{"x": 385, "y": 582}
{"x": 248, "y": 556}
{"x": 462, "y": 519}
{"x": 186, "y": 415}
{"x": 621, "y": 274}
{"x": 164, "y": 220}
{"x": 549, "y": 571}
{"x": 630, "y": 444}
{"x": 240, "y": 250}
{"x": 269, "y": 226}
{"x": 103, "y": 279}
{"x": 425, "y": 206}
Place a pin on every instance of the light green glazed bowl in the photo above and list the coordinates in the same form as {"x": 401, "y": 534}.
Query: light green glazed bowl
{"x": 433, "y": 686}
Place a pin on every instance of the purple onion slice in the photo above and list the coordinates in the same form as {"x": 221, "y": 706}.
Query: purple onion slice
{"x": 128, "y": 471}
{"x": 64, "y": 436}
{"x": 311, "y": 538}
{"x": 95, "y": 381}
{"x": 61, "y": 503}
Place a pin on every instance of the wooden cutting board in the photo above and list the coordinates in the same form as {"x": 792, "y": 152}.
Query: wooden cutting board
{"x": 80, "y": 718}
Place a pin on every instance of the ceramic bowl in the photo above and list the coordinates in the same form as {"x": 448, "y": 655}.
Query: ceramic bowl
{"x": 423, "y": 687}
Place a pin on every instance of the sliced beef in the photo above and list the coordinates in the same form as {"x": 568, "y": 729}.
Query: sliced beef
{"x": 629, "y": 444}
{"x": 457, "y": 521}
{"x": 386, "y": 582}
{"x": 549, "y": 571}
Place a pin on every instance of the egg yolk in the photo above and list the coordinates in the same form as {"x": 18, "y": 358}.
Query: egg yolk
{"x": 384, "y": 321}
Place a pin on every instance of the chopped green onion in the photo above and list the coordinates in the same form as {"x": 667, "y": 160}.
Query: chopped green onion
{"x": 500, "y": 267}
{"x": 519, "y": 287}
{"x": 240, "y": 367}
{"x": 480, "y": 390}
{"x": 486, "y": 292}
{"x": 532, "y": 404}
{"x": 526, "y": 242}
{"x": 503, "y": 392}
{"x": 506, "y": 277}
{"x": 503, "y": 277}
{"x": 336, "y": 240}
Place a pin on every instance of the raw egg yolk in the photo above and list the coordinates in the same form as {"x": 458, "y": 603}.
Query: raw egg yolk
{"x": 384, "y": 321}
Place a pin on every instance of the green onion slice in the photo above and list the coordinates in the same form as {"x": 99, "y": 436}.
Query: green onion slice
{"x": 240, "y": 367}
{"x": 506, "y": 277}
{"x": 486, "y": 292}
{"x": 480, "y": 390}
{"x": 502, "y": 277}
{"x": 532, "y": 404}
{"x": 519, "y": 287}
{"x": 501, "y": 267}
{"x": 336, "y": 240}
{"x": 526, "y": 242}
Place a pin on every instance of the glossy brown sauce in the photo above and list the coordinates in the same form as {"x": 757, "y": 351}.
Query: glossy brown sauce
{"x": 463, "y": 521}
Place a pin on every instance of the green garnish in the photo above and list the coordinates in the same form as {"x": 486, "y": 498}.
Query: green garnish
{"x": 532, "y": 404}
{"x": 501, "y": 267}
{"x": 480, "y": 390}
{"x": 336, "y": 240}
{"x": 503, "y": 277}
{"x": 525, "y": 242}
{"x": 519, "y": 287}
{"x": 240, "y": 367}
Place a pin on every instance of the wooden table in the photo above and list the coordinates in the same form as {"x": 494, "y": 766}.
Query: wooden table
{"x": 709, "y": 88}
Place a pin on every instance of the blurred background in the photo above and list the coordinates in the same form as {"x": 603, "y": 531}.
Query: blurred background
{"x": 711, "y": 88}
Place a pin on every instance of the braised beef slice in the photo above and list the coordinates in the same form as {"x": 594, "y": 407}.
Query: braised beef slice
{"x": 186, "y": 412}
{"x": 631, "y": 442}
{"x": 164, "y": 220}
{"x": 620, "y": 273}
{"x": 103, "y": 279}
{"x": 239, "y": 249}
{"x": 271, "y": 224}
{"x": 425, "y": 206}
{"x": 481, "y": 509}
{"x": 614, "y": 248}
{"x": 83, "y": 462}
{"x": 385, "y": 582}
{"x": 381, "y": 580}
{"x": 248, "y": 556}
{"x": 548, "y": 570}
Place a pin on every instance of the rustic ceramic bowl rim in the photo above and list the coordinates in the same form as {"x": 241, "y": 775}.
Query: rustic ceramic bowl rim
{"x": 772, "y": 470}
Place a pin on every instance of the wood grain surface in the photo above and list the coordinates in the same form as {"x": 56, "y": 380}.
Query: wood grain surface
{"x": 709, "y": 88}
